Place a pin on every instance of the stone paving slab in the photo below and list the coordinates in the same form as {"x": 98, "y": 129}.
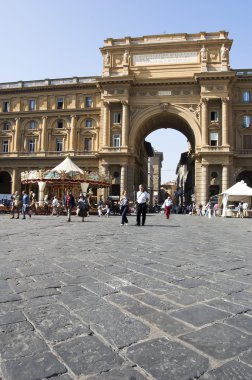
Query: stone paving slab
{"x": 97, "y": 301}
{"x": 167, "y": 360}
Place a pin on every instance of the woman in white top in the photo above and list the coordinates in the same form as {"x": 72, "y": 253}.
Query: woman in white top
{"x": 167, "y": 206}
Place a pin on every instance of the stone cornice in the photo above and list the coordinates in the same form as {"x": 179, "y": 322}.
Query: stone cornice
{"x": 216, "y": 75}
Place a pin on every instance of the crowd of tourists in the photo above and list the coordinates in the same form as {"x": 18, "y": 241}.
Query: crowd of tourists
{"x": 25, "y": 205}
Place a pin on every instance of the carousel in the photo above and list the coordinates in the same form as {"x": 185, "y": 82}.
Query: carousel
{"x": 65, "y": 176}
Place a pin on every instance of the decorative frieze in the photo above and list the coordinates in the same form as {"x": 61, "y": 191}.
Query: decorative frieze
{"x": 165, "y": 58}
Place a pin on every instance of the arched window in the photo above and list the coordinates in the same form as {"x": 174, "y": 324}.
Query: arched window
{"x": 6, "y": 126}
{"x": 89, "y": 123}
{"x": 32, "y": 124}
{"x": 60, "y": 124}
{"x": 246, "y": 96}
{"x": 246, "y": 121}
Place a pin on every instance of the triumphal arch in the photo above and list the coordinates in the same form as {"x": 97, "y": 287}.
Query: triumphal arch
{"x": 183, "y": 82}
{"x": 179, "y": 81}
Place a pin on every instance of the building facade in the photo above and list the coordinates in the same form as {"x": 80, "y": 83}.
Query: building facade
{"x": 180, "y": 81}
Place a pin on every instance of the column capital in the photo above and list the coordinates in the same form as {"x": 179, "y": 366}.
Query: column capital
{"x": 17, "y": 119}
{"x": 125, "y": 102}
{"x": 204, "y": 100}
{"x": 73, "y": 116}
{"x": 225, "y": 100}
{"x": 106, "y": 103}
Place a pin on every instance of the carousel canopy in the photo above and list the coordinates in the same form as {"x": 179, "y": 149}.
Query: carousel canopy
{"x": 67, "y": 166}
{"x": 66, "y": 172}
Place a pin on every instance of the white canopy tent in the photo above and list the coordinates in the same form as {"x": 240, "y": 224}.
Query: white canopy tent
{"x": 67, "y": 166}
{"x": 239, "y": 192}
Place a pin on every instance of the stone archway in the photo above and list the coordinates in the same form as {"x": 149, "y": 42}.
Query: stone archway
{"x": 5, "y": 183}
{"x": 166, "y": 116}
{"x": 246, "y": 176}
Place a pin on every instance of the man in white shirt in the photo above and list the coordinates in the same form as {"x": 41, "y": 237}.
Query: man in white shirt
{"x": 245, "y": 209}
{"x": 141, "y": 207}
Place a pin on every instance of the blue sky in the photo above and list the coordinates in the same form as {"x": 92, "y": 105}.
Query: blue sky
{"x": 61, "y": 38}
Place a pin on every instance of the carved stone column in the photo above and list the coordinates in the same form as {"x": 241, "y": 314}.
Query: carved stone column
{"x": 72, "y": 134}
{"x": 105, "y": 123}
{"x": 41, "y": 186}
{"x": 204, "y": 122}
{"x": 16, "y": 145}
{"x": 14, "y": 182}
{"x": 204, "y": 184}
{"x": 43, "y": 146}
{"x": 225, "y": 177}
{"x": 125, "y": 123}
{"x": 104, "y": 170}
{"x": 225, "y": 140}
{"x": 123, "y": 178}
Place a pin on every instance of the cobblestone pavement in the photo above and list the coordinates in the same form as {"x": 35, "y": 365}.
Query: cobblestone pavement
{"x": 170, "y": 301}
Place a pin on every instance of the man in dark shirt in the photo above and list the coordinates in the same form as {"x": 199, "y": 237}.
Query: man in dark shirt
{"x": 69, "y": 203}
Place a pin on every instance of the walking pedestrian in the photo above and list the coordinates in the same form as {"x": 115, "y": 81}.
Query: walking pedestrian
{"x": 100, "y": 206}
{"x": 82, "y": 207}
{"x": 124, "y": 205}
{"x": 141, "y": 206}
{"x": 55, "y": 206}
{"x": 25, "y": 205}
{"x": 167, "y": 206}
{"x": 15, "y": 205}
{"x": 69, "y": 203}
{"x": 32, "y": 198}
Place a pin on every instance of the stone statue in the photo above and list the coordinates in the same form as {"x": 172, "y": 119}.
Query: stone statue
{"x": 107, "y": 59}
{"x": 224, "y": 53}
{"x": 203, "y": 54}
{"x": 126, "y": 58}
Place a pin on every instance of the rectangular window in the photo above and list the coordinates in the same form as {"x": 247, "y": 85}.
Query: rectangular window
{"x": 213, "y": 139}
{"x": 246, "y": 121}
{"x": 247, "y": 142}
{"x": 88, "y": 144}
{"x": 117, "y": 118}
{"x": 5, "y": 146}
{"x": 116, "y": 141}
{"x": 246, "y": 97}
{"x": 32, "y": 104}
{"x": 6, "y": 127}
{"x": 88, "y": 102}
{"x": 31, "y": 145}
{"x": 59, "y": 144}
{"x": 214, "y": 116}
{"x": 89, "y": 123}
{"x": 59, "y": 103}
{"x": 6, "y": 106}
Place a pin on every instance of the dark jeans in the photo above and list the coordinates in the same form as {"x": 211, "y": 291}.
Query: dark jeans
{"x": 141, "y": 209}
{"x": 124, "y": 212}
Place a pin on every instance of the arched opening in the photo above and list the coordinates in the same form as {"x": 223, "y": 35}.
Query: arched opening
{"x": 5, "y": 183}
{"x": 245, "y": 176}
{"x": 175, "y": 118}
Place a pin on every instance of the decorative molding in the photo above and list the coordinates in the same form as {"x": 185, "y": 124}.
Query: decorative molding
{"x": 195, "y": 109}
{"x": 164, "y": 106}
